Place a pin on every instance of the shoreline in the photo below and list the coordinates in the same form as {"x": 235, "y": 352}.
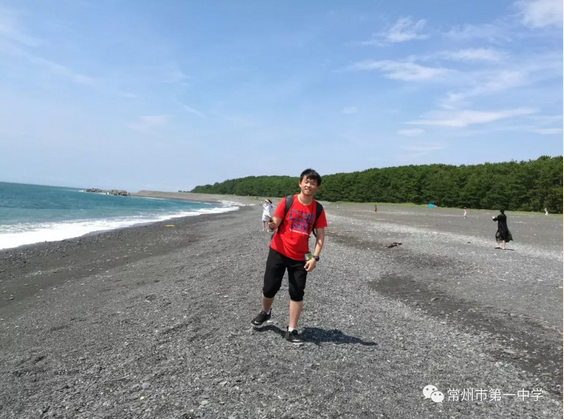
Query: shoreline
{"x": 156, "y": 195}
{"x": 153, "y": 321}
{"x": 198, "y": 197}
{"x": 45, "y": 263}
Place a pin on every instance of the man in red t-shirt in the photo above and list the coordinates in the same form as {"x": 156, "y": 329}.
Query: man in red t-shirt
{"x": 289, "y": 249}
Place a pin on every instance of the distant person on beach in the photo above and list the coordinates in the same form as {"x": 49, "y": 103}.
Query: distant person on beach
{"x": 465, "y": 212}
{"x": 289, "y": 250}
{"x": 502, "y": 234}
{"x": 266, "y": 208}
{"x": 545, "y": 211}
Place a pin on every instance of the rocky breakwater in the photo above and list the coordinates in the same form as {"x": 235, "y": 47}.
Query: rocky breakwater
{"x": 112, "y": 192}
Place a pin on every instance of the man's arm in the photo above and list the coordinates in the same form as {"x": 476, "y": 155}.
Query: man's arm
{"x": 310, "y": 264}
{"x": 274, "y": 223}
{"x": 319, "y": 242}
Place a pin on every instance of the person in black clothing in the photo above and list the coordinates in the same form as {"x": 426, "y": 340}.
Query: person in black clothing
{"x": 502, "y": 234}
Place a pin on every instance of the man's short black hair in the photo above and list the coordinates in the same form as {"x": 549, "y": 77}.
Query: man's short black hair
{"x": 312, "y": 175}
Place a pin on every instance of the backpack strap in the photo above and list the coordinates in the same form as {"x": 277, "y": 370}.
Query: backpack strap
{"x": 288, "y": 204}
{"x": 318, "y": 210}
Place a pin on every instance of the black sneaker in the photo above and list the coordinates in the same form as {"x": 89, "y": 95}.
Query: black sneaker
{"x": 293, "y": 337}
{"x": 261, "y": 318}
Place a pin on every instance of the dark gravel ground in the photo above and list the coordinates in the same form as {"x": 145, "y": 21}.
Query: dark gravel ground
{"x": 154, "y": 321}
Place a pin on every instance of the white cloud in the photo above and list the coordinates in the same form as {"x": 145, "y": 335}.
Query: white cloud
{"x": 487, "y": 84}
{"x": 517, "y": 71}
{"x": 452, "y": 100}
{"x": 416, "y": 151}
{"x": 546, "y": 119}
{"x": 11, "y": 29}
{"x": 147, "y": 122}
{"x": 473, "y": 54}
{"x": 349, "y": 110}
{"x": 52, "y": 67}
{"x": 171, "y": 73}
{"x": 128, "y": 95}
{"x": 465, "y": 118}
{"x": 540, "y": 13}
{"x": 403, "y": 30}
{"x": 423, "y": 147}
{"x": 548, "y": 131}
{"x": 60, "y": 70}
{"x": 153, "y": 120}
{"x": 18, "y": 43}
{"x": 488, "y": 31}
{"x": 400, "y": 70}
{"x": 411, "y": 132}
{"x": 194, "y": 111}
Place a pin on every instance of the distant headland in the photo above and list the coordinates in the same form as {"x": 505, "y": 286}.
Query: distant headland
{"x": 112, "y": 192}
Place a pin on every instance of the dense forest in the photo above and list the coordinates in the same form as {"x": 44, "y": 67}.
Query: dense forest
{"x": 527, "y": 185}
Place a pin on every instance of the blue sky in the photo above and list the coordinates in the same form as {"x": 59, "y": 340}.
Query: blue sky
{"x": 167, "y": 95}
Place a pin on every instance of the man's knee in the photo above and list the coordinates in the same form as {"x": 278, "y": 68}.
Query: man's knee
{"x": 296, "y": 294}
{"x": 270, "y": 292}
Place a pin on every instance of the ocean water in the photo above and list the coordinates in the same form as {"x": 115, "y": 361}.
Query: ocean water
{"x": 33, "y": 214}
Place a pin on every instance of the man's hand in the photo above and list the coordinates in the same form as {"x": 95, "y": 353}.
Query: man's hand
{"x": 310, "y": 265}
{"x": 271, "y": 225}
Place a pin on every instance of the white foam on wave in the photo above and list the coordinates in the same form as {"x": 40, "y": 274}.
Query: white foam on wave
{"x": 238, "y": 204}
{"x": 29, "y": 233}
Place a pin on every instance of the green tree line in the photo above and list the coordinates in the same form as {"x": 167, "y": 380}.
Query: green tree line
{"x": 518, "y": 186}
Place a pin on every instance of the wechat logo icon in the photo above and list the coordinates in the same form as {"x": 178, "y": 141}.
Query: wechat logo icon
{"x": 433, "y": 393}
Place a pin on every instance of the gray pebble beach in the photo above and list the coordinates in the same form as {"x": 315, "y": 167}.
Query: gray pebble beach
{"x": 154, "y": 321}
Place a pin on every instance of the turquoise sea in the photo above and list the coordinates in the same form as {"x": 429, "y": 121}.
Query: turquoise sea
{"x": 32, "y": 213}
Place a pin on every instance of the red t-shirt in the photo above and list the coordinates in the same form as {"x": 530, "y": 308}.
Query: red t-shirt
{"x": 292, "y": 238}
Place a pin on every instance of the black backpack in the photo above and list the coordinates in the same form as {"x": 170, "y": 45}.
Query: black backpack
{"x": 318, "y": 209}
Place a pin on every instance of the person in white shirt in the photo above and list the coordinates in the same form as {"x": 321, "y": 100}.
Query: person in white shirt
{"x": 266, "y": 208}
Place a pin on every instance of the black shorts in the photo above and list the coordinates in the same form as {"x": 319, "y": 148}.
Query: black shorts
{"x": 276, "y": 265}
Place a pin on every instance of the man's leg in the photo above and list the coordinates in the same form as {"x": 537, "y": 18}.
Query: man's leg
{"x": 297, "y": 280}
{"x": 297, "y": 276}
{"x": 273, "y": 274}
{"x": 267, "y": 303}
{"x": 295, "y": 311}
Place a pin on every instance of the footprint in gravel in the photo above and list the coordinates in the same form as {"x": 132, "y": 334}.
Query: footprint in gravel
{"x": 175, "y": 328}
{"x": 29, "y": 366}
{"x": 60, "y": 327}
{"x": 38, "y": 358}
